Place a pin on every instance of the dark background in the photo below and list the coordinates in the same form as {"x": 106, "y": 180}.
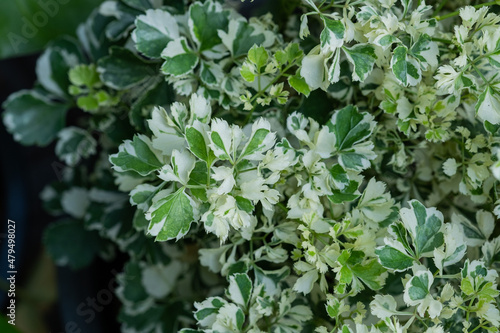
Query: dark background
{"x": 24, "y": 173}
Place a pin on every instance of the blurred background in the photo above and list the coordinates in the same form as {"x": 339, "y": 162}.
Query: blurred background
{"x": 48, "y": 298}
{"x": 51, "y": 299}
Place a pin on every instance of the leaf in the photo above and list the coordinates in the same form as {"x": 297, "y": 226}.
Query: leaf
{"x": 54, "y": 64}
{"x": 204, "y": 22}
{"x": 271, "y": 279}
{"x": 258, "y": 56}
{"x": 241, "y": 36}
{"x": 74, "y": 144}
{"x": 154, "y": 30}
{"x": 405, "y": 68}
{"x": 131, "y": 280}
{"x": 488, "y": 106}
{"x": 207, "y": 310}
{"x": 179, "y": 59}
{"x": 370, "y": 273}
{"x": 33, "y": 119}
{"x": 424, "y": 225}
{"x": 84, "y": 75}
{"x": 298, "y": 83}
{"x": 211, "y": 74}
{"x": 122, "y": 69}
{"x": 182, "y": 163}
{"x": 394, "y": 259}
{"x": 426, "y": 51}
{"x": 351, "y": 128}
{"x": 69, "y": 243}
{"x": 347, "y": 194}
{"x": 142, "y": 195}
{"x": 244, "y": 204}
{"x": 363, "y": 57}
{"x": 314, "y": 71}
{"x": 261, "y": 140}
{"x": 417, "y": 288}
{"x": 171, "y": 216}
{"x": 332, "y": 36}
{"x": 198, "y": 141}
{"x": 136, "y": 155}
{"x": 339, "y": 176}
{"x": 240, "y": 289}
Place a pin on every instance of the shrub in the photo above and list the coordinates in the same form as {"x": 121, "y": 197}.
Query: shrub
{"x": 335, "y": 170}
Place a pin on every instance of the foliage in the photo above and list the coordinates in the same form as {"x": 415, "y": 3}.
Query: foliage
{"x": 336, "y": 173}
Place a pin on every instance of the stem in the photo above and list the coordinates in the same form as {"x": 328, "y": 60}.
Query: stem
{"x": 476, "y": 328}
{"x": 455, "y": 13}
{"x": 438, "y": 9}
{"x": 261, "y": 92}
{"x": 481, "y": 74}
{"x": 283, "y": 208}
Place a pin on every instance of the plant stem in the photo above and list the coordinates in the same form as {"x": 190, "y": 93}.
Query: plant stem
{"x": 438, "y": 9}
{"x": 260, "y": 92}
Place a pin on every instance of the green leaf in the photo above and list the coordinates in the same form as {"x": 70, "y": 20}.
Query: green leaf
{"x": 198, "y": 143}
{"x": 131, "y": 280}
{"x": 332, "y": 36}
{"x": 171, "y": 216}
{"x": 240, "y": 319}
{"x": 271, "y": 279}
{"x": 258, "y": 56}
{"x": 140, "y": 222}
{"x": 54, "y": 64}
{"x": 394, "y": 259}
{"x": 154, "y": 30}
{"x": 84, "y": 75}
{"x": 339, "y": 176}
{"x": 74, "y": 144}
{"x": 363, "y": 57}
{"x": 350, "y": 126}
{"x": 349, "y": 193}
{"x": 424, "y": 225}
{"x": 240, "y": 288}
{"x": 122, "y": 69}
{"x": 345, "y": 275}
{"x": 211, "y": 74}
{"x": 256, "y": 142}
{"x": 426, "y": 51}
{"x": 405, "y": 68}
{"x": 136, "y": 155}
{"x": 244, "y": 204}
{"x": 204, "y": 22}
{"x": 241, "y": 36}
{"x": 179, "y": 59}
{"x": 488, "y": 105}
{"x": 69, "y": 243}
{"x": 32, "y": 118}
{"x": 142, "y": 195}
{"x": 298, "y": 83}
{"x": 417, "y": 288}
{"x": 370, "y": 273}
{"x": 208, "y": 309}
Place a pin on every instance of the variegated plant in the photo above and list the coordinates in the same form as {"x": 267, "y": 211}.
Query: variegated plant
{"x": 330, "y": 166}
